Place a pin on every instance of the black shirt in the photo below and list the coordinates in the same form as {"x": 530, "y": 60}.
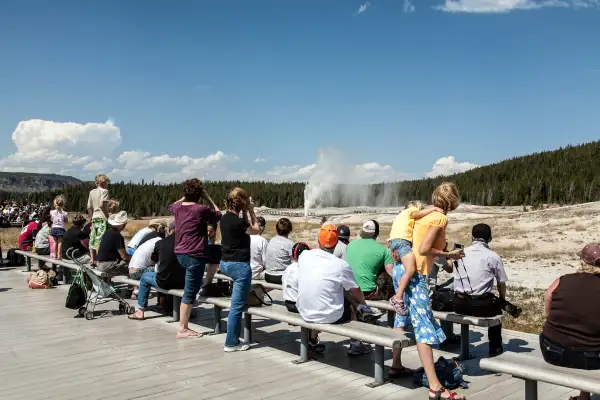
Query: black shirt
{"x": 235, "y": 242}
{"x": 72, "y": 239}
{"x": 148, "y": 236}
{"x": 112, "y": 241}
{"x": 169, "y": 273}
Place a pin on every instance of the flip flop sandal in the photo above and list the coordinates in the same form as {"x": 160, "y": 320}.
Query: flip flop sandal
{"x": 195, "y": 336}
{"x": 438, "y": 394}
{"x": 395, "y": 373}
{"x": 134, "y": 317}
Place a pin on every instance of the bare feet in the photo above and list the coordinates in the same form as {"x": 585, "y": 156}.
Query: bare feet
{"x": 188, "y": 334}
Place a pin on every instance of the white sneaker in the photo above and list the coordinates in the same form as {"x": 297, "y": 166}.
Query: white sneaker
{"x": 367, "y": 315}
{"x": 239, "y": 347}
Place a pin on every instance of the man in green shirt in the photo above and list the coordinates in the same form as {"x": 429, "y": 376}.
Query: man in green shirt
{"x": 368, "y": 260}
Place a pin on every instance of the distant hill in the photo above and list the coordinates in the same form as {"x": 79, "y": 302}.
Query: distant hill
{"x": 25, "y": 182}
{"x": 568, "y": 175}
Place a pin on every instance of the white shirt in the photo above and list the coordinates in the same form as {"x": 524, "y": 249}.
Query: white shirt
{"x": 475, "y": 274}
{"x": 258, "y": 255}
{"x": 322, "y": 279}
{"x": 133, "y": 243}
{"x": 141, "y": 257}
{"x": 289, "y": 279}
{"x": 340, "y": 250}
{"x": 279, "y": 255}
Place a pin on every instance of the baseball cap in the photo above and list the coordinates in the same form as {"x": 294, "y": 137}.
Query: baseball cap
{"x": 369, "y": 229}
{"x": 298, "y": 249}
{"x": 591, "y": 254}
{"x": 328, "y": 236}
{"x": 343, "y": 232}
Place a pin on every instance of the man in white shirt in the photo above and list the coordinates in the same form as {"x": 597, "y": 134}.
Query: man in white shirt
{"x": 327, "y": 289}
{"x": 258, "y": 251}
{"x": 343, "y": 240}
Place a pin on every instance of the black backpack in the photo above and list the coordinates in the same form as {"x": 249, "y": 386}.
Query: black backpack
{"x": 442, "y": 299}
{"x": 14, "y": 259}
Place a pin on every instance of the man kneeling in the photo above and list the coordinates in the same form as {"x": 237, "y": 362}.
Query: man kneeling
{"x": 169, "y": 273}
{"x": 327, "y": 290}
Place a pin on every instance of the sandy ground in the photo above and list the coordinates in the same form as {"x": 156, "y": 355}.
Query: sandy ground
{"x": 536, "y": 246}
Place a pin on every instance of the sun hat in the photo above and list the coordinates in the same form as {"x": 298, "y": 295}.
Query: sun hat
{"x": 591, "y": 254}
{"x": 343, "y": 232}
{"x": 118, "y": 219}
{"x": 298, "y": 249}
{"x": 328, "y": 237}
{"x": 369, "y": 229}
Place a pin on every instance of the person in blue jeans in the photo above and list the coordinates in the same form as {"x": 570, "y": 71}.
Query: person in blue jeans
{"x": 237, "y": 224}
{"x": 191, "y": 221}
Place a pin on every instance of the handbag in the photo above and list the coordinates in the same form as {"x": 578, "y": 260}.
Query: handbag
{"x": 257, "y": 296}
{"x": 441, "y": 299}
{"x": 217, "y": 289}
{"x": 77, "y": 295}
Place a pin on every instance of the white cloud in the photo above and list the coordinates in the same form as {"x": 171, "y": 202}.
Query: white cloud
{"x": 363, "y": 7}
{"x": 504, "y": 6}
{"x": 259, "y": 159}
{"x": 448, "y": 166}
{"x": 408, "y": 6}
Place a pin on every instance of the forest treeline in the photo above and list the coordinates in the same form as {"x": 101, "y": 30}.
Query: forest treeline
{"x": 566, "y": 176}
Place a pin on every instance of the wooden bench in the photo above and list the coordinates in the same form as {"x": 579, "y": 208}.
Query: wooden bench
{"x": 381, "y": 337}
{"x": 463, "y": 320}
{"x": 65, "y": 264}
{"x": 534, "y": 369}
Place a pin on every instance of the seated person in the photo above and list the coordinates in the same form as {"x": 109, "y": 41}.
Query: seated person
{"x": 76, "y": 238}
{"x": 112, "y": 257}
{"x": 158, "y": 229}
{"x": 371, "y": 263}
{"x": 279, "y": 252}
{"x": 27, "y": 235}
{"x": 147, "y": 233}
{"x": 327, "y": 290}
{"x": 474, "y": 277}
{"x": 571, "y": 334}
{"x": 290, "y": 278}
{"x": 213, "y": 252}
{"x": 258, "y": 251}
{"x": 169, "y": 273}
{"x": 141, "y": 261}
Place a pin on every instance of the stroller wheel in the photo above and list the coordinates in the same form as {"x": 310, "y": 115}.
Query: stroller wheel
{"x": 89, "y": 315}
{"x": 82, "y": 311}
{"x": 122, "y": 307}
{"x": 130, "y": 310}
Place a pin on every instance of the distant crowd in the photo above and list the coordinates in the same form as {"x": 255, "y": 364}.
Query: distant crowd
{"x": 16, "y": 212}
{"x": 330, "y": 283}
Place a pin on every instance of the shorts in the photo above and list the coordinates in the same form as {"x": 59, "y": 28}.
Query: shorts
{"x": 403, "y": 246}
{"x": 57, "y": 232}
{"x": 98, "y": 229}
{"x": 419, "y": 318}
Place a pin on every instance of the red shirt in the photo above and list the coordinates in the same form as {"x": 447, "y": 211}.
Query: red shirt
{"x": 26, "y": 237}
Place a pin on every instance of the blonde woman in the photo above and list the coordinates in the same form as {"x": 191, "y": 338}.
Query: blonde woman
{"x": 571, "y": 334}
{"x": 59, "y": 218}
{"x": 97, "y": 207}
{"x": 428, "y": 243}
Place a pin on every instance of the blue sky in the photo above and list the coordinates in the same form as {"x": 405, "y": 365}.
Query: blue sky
{"x": 209, "y": 88}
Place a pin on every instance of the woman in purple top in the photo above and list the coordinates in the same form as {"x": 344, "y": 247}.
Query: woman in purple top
{"x": 191, "y": 220}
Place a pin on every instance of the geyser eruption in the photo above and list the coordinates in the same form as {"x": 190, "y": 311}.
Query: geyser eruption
{"x": 336, "y": 183}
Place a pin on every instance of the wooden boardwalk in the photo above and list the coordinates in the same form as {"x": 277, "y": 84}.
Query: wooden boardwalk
{"x": 46, "y": 353}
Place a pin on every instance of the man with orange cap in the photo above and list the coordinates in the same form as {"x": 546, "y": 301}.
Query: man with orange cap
{"x": 327, "y": 290}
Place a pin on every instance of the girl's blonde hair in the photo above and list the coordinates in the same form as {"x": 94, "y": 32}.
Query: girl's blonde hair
{"x": 238, "y": 199}
{"x": 102, "y": 179}
{"x": 113, "y": 206}
{"x": 416, "y": 204}
{"x": 59, "y": 202}
{"x": 591, "y": 269}
{"x": 446, "y": 197}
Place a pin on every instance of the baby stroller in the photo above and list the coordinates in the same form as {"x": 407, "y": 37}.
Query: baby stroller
{"x": 99, "y": 293}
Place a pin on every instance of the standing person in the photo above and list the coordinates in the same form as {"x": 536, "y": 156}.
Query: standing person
{"x": 97, "y": 207}
{"x": 343, "y": 239}
{"x": 258, "y": 251}
{"x": 59, "y": 219}
{"x": 235, "y": 260}
{"x": 571, "y": 333}
{"x": 279, "y": 252}
{"x": 191, "y": 220}
{"x": 429, "y": 240}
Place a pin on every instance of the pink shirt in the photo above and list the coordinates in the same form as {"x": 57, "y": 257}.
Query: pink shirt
{"x": 58, "y": 219}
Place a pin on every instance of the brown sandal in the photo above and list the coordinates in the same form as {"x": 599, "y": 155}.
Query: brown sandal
{"x": 438, "y": 394}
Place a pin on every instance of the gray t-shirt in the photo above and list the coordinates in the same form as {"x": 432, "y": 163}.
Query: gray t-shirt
{"x": 279, "y": 255}
{"x": 340, "y": 250}
{"x": 477, "y": 271}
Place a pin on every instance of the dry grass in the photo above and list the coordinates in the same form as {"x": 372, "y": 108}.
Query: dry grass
{"x": 533, "y": 316}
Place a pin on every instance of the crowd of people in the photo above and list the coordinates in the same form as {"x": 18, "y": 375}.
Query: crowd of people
{"x": 16, "y": 212}
{"x": 330, "y": 283}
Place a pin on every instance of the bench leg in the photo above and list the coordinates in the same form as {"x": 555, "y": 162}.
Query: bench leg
{"x": 247, "y": 328}
{"x": 531, "y": 390}
{"x": 304, "y": 334}
{"x": 217, "y": 320}
{"x": 176, "y": 305}
{"x": 464, "y": 343}
{"x": 391, "y": 315}
{"x": 28, "y": 262}
{"x": 66, "y": 272}
{"x": 378, "y": 358}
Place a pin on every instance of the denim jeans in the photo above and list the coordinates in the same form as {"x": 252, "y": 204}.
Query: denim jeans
{"x": 241, "y": 273}
{"x": 194, "y": 272}
{"x": 147, "y": 281}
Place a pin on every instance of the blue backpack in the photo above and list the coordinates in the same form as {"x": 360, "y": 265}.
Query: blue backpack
{"x": 449, "y": 372}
